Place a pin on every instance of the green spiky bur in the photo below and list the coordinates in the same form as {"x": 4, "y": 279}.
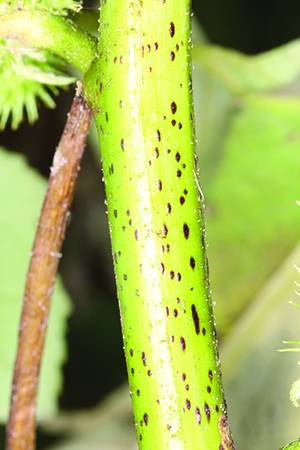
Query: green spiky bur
{"x": 141, "y": 97}
{"x": 25, "y": 76}
{"x": 60, "y": 7}
{"x": 28, "y": 67}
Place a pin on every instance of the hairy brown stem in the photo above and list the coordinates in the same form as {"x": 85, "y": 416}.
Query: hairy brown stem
{"x": 41, "y": 277}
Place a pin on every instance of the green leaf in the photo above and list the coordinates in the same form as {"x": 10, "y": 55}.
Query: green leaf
{"x": 255, "y": 374}
{"x": 241, "y": 73}
{"x": 251, "y": 216}
{"x": 21, "y": 193}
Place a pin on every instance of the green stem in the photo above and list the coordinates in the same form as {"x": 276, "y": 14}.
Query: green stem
{"x": 293, "y": 445}
{"x": 140, "y": 93}
{"x": 43, "y": 30}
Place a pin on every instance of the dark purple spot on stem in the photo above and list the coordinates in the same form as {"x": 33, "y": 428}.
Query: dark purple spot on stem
{"x": 106, "y": 117}
{"x": 155, "y": 46}
{"x": 131, "y": 352}
{"x": 182, "y": 343}
{"x": 172, "y": 274}
{"x": 196, "y": 319}
{"x": 148, "y": 48}
{"x": 168, "y": 248}
{"x": 192, "y": 263}
{"x": 175, "y": 312}
{"x": 128, "y": 212}
{"x": 115, "y": 213}
{"x": 208, "y": 389}
{"x": 132, "y": 371}
{"x": 179, "y": 126}
{"x": 203, "y": 331}
{"x": 142, "y": 50}
{"x": 138, "y": 393}
{"x": 159, "y": 185}
{"x": 169, "y": 208}
{"x": 101, "y": 87}
{"x": 146, "y": 419}
{"x": 183, "y": 376}
{"x": 182, "y": 200}
{"x": 123, "y": 144}
{"x": 172, "y": 56}
{"x": 210, "y": 375}
{"x": 187, "y": 387}
{"x": 165, "y": 230}
{"x": 198, "y": 415}
{"x": 188, "y": 404}
{"x": 136, "y": 234}
{"x": 179, "y": 173}
{"x": 168, "y": 151}
{"x": 177, "y": 157}
{"x": 115, "y": 59}
{"x": 172, "y": 29}
{"x": 125, "y": 277}
{"x": 178, "y": 276}
{"x": 162, "y": 268}
{"x": 156, "y": 153}
{"x": 173, "y": 122}
{"x": 158, "y": 135}
{"x": 149, "y": 373}
{"x": 217, "y": 408}
{"x": 186, "y": 231}
{"x": 207, "y": 411}
{"x": 144, "y": 358}
{"x": 167, "y": 311}
{"x": 121, "y": 59}
{"x": 207, "y": 267}
{"x": 185, "y": 192}
{"x": 173, "y": 107}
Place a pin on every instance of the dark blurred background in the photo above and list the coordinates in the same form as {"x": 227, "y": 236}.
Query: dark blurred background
{"x": 94, "y": 336}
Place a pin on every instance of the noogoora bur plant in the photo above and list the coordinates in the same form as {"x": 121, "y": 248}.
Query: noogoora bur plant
{"x": 139, "y": 89}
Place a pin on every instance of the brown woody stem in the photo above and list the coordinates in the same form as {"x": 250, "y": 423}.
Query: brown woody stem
{"x": 41, "y": 276}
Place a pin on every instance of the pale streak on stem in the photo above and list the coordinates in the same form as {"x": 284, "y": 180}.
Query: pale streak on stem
{"x": 21, "y": 428}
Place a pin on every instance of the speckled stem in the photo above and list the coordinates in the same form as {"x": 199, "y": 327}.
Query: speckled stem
{"x": 54, "y": 33}
{"x": 141, "y": 97}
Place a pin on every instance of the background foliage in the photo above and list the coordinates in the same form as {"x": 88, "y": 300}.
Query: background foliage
{"x": 248, "y": 129}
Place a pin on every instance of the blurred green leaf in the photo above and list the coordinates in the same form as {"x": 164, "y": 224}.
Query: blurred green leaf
{"x": 257, "y": 377}
{"x": 21, "y": 197}
{"x": 251, "y": 216}
{"x": 241, "y": 73}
